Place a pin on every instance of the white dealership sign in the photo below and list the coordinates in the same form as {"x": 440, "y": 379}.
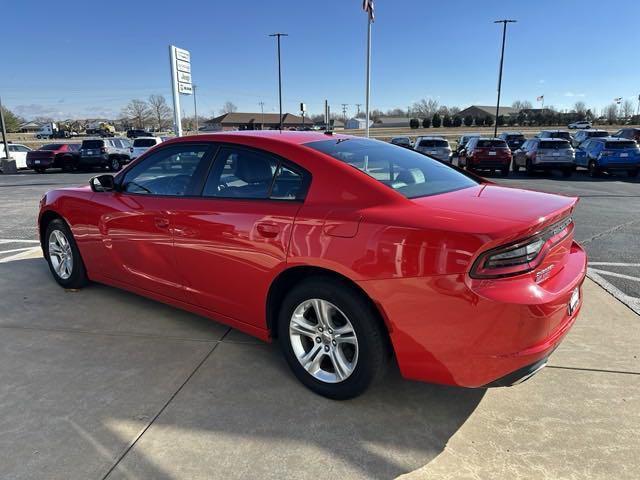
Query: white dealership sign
{"x": 181, "y": 82}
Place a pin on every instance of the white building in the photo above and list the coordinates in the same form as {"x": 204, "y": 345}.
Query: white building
{"x": 357, "y": 124}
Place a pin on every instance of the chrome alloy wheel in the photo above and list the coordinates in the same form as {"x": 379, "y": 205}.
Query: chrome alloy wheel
{"x": 60, "y": 254}
{"x": 323, "y": 340}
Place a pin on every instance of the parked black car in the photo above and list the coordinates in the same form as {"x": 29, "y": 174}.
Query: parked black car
{"x": 138, "y": 132}
{"x": 514, "y": 139}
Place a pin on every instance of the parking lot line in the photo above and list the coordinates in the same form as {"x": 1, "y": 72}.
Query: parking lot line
{"x": 615, "y": 264}
{"x": 632, "y": 302}
{"x": 615, "y": 274}
{"x": 14, "y": 240}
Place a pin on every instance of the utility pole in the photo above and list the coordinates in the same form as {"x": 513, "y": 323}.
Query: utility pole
{"x": 358, "y": 105}
{"x": 344, "y": 112}
{"x": 278, "y": 35}
{"x": 504, "y": 37}
{"x": 262, "y": 115}
{"x": 195, "y": 108}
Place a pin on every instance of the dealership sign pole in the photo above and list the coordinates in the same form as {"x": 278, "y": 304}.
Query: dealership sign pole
{"x": 180, "y": 61}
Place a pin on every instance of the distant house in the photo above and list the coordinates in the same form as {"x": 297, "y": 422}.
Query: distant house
{"x": 255, "y": 121}
{"x": 390, "y": 122}
{"x": 487, "y": 111}
{"x": 29, "y": 127}
{"x": 356, "y": 124}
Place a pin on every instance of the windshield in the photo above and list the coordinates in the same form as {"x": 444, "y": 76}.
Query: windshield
{"x": 619, "y": 145}
{"x": 554, "y": 145}
{"x": 406, "y": 171}
{"x": 515, "y": 137}
{"x": 597, "y": 134}
{"x": 52, "y": 146}
{"x": 434, "y": 143}
{"x": 565, "y": 135}
{"x": 144, "y": 142}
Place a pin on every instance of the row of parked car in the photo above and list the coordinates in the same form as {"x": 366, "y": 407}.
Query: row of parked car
{"x": 596, "y": 150}
{"x": 109, "y": 152}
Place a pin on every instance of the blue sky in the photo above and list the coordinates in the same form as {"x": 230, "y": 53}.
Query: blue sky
{"x": 70, "y": 59}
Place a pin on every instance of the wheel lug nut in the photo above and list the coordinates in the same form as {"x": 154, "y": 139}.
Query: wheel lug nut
{"x": 320, "y": 329}
{"x": 331, "y": 331}
{"x": 326, "y": 348}
{"x": 333, "y": 342}
{"x": 318, "y": 339}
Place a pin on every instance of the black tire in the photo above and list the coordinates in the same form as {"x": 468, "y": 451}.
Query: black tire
{"x": 632, "y": 173}
{"x": 78, "y": 275}
{"x": 373, "y": 352}
{"x": 515, "y": 168}
{"x": 505, "y": 171}
{"x": 594, "y": 171}
{"x": 115, "y": 164}
{"x": 567, "y": 172}
{"x": 529, "y": 168}
{"x": 67, "y": 164}
{"x": 40, "y": 170}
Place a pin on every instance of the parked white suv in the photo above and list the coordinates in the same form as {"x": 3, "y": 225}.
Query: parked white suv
{"x": 580, "y": 125}
{"x": 142, "y": 144}
{"x": 17, "y": 152}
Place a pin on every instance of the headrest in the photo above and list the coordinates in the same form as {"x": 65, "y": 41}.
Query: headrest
{"x": 411, "y": 176}
{"x": 253, "y": 168}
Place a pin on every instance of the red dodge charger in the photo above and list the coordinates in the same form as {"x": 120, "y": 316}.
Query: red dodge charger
{"x": 348, "y": 251}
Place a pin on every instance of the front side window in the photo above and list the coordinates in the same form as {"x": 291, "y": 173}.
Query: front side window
{"x": 173, "y": 171}
{"x": 406, "y": 171}
{"x": 250, "y": 174}
{"x": 144, "y": 142}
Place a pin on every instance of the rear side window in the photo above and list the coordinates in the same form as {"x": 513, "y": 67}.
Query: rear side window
{"x": 52, "y": 146}
{"x": 250, "y": 174}
{"x": 434, "y": 143}
{"x": 554, "y": 145}
{"x": 92, "y": 144}
{"x": 596, "y": 134}
{"x": 406, "y": 171}
{"x": 144, "y": 142}
{"x": 491, "y": 144}
{"x": 619, "y": 145}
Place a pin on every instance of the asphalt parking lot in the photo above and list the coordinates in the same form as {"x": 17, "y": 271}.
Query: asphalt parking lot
{"x": 101, "y": 383}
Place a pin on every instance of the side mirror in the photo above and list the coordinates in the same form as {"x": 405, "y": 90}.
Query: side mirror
{"x": 103, "y": 183}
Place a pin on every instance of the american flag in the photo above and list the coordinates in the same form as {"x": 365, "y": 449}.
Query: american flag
{"x": 617, "y": 100}
{"x": 540, "y": 98}
{"x": 367, "y": 6}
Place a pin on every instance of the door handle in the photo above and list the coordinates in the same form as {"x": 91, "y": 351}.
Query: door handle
{"x": 268, "y": 230}
{"x": 162, "y": 222}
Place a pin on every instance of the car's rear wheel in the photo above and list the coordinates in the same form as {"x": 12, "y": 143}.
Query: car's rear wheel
{"x": 594, "y": 171}
{"x": 114, "y": 164}
{"x": 514, "y": 166}
{"x": 567, "y": 172}
{"x": 331, "y": 338}
{"x": 63, "y": 256}
{"x": 505, "y": 171}
{"x": 67, "y": 164}
{"x": 632, "y": 173}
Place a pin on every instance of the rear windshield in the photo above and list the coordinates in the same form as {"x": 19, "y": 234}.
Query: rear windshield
{"x": 554, "y": 145}
{"x": 144, "y": 142}
{"x": 619, "y": 145}
{"x": 52, "y": 146}
{"x": 515, "y": 137}
{"x": 491, "y": 144}
{"x": 434, "y": 143}
{"x": 406, "y": 171}
{"x": 559, "y": 135}
{"x": 597, "y": 134}
{"x": 92, "y": 143}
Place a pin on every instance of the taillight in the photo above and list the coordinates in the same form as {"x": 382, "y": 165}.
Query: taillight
{"x": 103, "y": 149}
{"x": 522, "y": 256}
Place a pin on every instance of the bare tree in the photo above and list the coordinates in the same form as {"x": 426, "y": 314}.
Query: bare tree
{"x": 138, "y": 112}
{"x": 453, "y": 111}
{"x": 522, "y": 105}
{"x": 396, "y": 112}
{"x": 425, "y": 108}
{"x": 228, "y": 107}
{"x": 580, "y": 108}
{"x": 627, "y": 109}
{"x": 611, "y": 113}
{"x": 160, "y": 111}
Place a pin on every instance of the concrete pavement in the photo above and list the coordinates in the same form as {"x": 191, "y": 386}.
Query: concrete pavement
{"x": 101, "y": 383}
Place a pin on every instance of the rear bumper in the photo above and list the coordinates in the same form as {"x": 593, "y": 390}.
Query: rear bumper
{"x": 554, "y": 164}
{"x": 620, "y": 165}
{"x": 453, "y": 330}
{"x": 40, "y": 163}
{"x": 521, "y": 375}
{"x": 93, "y": 160}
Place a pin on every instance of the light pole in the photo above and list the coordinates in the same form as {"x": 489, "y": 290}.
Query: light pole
{"x": 195, "y": 108}
{"x": 262, "y": 115}
{"x": 278, "y": 35}
{"x": 504, "y": 37}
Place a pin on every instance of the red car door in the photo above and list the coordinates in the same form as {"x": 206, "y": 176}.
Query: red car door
{"x": 134, "y": 223}
{"x": 231, "y": 242}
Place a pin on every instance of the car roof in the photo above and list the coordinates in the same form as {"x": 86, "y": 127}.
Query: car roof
{"x": 611, "y": 139}
{"x": 430, "y": 137}
{"x": 145, "y": 138}
{"x": 401, "y": 136}
{"x": 556, "y": 130}
{"x": 551, "y": 139}
{"x": 285, "y": 136}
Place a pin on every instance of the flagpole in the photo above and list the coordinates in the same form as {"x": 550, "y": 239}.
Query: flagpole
{"x": 368, "y": 88}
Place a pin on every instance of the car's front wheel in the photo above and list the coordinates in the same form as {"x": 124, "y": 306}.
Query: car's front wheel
{"x": 632, "y": 173}
{"x": 115, "y": 164}
{"x": 594, "y": 171}
{"x": 63, "y": 256}
{"x": 332, "y": 338}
